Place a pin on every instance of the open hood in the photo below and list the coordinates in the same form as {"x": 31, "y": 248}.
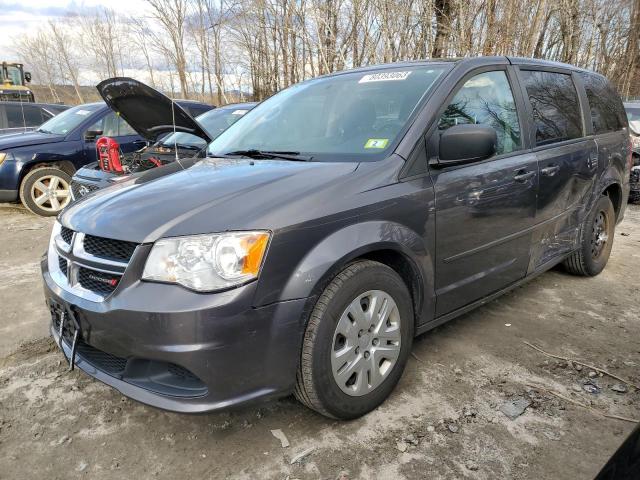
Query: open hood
{"x": 147, "y": 111}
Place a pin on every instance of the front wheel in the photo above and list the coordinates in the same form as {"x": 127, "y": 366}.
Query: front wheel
{"x": 357, "y": 342}
{"x": 45, "y": 191}
{"x": 596, "y": 240}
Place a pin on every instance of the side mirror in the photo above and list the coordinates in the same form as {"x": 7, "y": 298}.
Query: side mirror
{"x": 467, "y": 143}
{"x": 27, "y": 77}
{"x": 91, "y": 135}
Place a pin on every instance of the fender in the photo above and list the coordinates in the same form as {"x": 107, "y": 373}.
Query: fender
{"x": 615, "y": 174}
{"x": 68, "y": 154}
{"x": 341, "y": 247}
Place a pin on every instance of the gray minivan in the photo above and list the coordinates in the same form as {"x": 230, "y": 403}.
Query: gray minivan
{"x": 333, "y": 223}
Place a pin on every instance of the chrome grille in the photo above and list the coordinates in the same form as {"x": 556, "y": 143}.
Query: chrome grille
{"x": 87, "y": 266}
{"x": 95, "y": 281}
{"x": 108, "y": 248}
{"x": 79, "y": 189}
{"x": 62, "y": 263}
{"x": 66, "y": 234}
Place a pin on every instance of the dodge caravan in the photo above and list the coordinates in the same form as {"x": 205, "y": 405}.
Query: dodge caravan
{"x": 330, "y": 225}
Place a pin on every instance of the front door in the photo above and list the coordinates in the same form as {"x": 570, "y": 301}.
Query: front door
{"x": 485, "y": 212}
{"x": 112, "y": 125}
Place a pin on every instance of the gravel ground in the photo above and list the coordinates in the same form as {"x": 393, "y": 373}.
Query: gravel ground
{"x": 475, "y": 401}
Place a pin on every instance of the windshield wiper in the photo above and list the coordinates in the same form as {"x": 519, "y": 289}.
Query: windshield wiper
{"x": 42, "y": 130}
{"x": 185, "y": 147}
{"x": 283, "y": 154}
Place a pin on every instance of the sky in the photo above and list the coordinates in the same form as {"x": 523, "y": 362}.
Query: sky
{"x": 24, "y": 17}
{"x": 20, "y": 17}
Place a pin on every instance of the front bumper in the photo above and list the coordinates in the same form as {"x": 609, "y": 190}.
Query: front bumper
{"x": 231, "y": 352}
{"x": 8, "y": 195}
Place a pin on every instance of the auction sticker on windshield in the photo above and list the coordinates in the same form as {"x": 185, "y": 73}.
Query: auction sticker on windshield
{"x": 384, "y": 77}
{"x": 376, "y": 143}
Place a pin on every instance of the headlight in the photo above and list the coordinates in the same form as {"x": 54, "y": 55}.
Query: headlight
{"x": 3, "y": 155}
{"x": 207, "y": 262}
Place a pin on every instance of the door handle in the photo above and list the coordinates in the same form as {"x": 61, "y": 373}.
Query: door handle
{"x": 550, "y": 171}
{"x": 523, "y": 175}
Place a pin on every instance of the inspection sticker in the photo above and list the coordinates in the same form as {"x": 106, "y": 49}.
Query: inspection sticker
{"x": 376, "y": 143}
{"x": 239, "y": 112}
{"x": 83, "y": 112}
{"x": 384, "y": 77}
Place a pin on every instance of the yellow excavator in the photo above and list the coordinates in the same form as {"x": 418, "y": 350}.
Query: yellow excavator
{"x": 13, "y": 83}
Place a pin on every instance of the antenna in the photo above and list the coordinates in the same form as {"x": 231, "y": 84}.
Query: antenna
{"x": 24, "y": 121}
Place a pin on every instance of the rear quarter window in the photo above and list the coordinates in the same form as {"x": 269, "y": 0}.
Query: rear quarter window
{"x": 555, "y": 106}
{"x": 607, "y": 112}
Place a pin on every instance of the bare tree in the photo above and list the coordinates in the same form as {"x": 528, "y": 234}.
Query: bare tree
{"x": 201, "y": 46}
{"x": 172, "y": 17}
{"x": 67, "y": 61}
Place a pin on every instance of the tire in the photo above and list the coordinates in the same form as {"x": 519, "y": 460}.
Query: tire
{"x": 49, "y": 202}
{"x": 360, "y": 285}
{"x": 590, "y": 259}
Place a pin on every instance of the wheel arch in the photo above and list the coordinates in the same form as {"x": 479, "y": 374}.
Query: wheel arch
{"x": 613, "y": 190}
{"x": 405, "y": 253}
{"x": 65, "y": 165}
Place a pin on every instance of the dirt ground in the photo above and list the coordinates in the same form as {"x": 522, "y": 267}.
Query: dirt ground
{"x": 444, "y": 421}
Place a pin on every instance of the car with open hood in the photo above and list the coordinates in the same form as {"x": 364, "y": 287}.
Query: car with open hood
{"x": 36, "y": 167}
{"x": 330, "y": 225}
{"x": 155, "y": 123}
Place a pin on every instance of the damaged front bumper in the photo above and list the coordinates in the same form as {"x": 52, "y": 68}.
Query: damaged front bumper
{"x": 179, "y": 350}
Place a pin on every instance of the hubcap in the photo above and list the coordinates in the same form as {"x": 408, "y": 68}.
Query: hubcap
{"x": 51, "y": 193}
{"x": 599, "y": 236}
{"x": 366, "y": 343}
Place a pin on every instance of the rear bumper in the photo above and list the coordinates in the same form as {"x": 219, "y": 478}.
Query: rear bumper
{"x": 231, "y": 352}
{"x": 634, "y": 184}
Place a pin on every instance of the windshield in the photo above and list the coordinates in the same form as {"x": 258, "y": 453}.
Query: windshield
{"x": 66, "y": 121}
{"x": 214, "y": 122}
{"x": 633, "y": 115}
{"x": 14, "y": 75}
{"x": 217, "y": 121}
{"x": 355, "y": 116}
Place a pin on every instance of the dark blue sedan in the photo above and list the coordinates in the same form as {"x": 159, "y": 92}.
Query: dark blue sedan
{"x": 36, "y": 167}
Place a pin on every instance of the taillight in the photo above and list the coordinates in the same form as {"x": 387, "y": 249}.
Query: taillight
{"x": 108, "y": 151}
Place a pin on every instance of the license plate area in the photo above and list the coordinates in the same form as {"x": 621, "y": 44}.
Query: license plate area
{"x": 67, "y": 329}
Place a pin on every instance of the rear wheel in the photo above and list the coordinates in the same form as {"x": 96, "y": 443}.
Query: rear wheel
{"x": 357, "y": 342}
{"x": 596, "y": 240}
{"x": 45, "y": 191}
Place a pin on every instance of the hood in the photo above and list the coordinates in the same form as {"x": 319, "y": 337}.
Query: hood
{"x": 211, "y": 195}
{"x": 147, "y": 111}
{"x": 26, "y": 139}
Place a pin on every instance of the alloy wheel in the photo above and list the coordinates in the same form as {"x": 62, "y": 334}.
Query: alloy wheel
{"x": 51, "y": 193}
{"x": 366, "y": 343}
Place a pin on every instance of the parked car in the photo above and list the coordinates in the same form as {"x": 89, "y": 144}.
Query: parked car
{"x": 624, "y": 464}
{"x": 16, "y": 117}
{"x": 36, "y": 167}
{"x": 330, "y": 225}
{"x": 160, "y": 152}
{"x": 633, "y": 115}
